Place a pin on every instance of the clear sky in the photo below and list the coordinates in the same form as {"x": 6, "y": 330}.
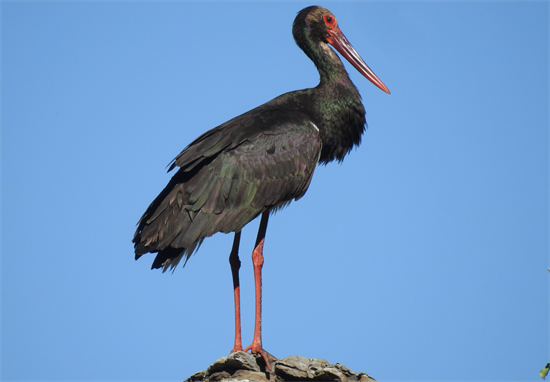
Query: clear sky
{"x": 423, "y": 256}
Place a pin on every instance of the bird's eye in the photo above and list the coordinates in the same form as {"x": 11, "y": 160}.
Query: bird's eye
{"x": 329, "y": 21}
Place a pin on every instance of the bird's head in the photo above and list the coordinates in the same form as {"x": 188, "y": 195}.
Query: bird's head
{"x": 316, "y": 26}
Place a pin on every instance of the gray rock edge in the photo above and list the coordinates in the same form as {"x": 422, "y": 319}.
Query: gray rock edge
{"x": 246, "y": 367}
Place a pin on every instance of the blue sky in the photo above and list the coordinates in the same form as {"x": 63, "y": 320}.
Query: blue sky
{"x": 423, "y": 256}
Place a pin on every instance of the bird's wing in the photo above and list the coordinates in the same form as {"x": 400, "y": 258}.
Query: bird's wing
{"x": 232, "y": 133}
{"x": 227, "y": 177}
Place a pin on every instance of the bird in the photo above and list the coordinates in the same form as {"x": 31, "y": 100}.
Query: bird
{"x": 258, "y": 162}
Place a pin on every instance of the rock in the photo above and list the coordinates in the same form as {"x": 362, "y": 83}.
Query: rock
{"x": 246, "y": 367}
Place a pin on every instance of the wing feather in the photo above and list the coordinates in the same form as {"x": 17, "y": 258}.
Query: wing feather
{"x": 227, "y": 177}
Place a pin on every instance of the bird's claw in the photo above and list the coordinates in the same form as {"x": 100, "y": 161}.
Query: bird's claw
{"x": 257, "y": 349}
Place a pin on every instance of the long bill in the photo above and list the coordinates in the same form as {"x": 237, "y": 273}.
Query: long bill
{"x": 342, "y": 45}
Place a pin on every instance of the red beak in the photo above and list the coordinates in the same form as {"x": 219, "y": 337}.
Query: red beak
{"x": 342, "y": 45}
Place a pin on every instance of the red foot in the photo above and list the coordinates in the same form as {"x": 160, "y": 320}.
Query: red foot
{"x": 257, "y": 349}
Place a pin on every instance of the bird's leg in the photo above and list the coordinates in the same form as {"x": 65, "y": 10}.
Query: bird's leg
{"x": 235, "y": 265}
{"x": 258, "y": 262}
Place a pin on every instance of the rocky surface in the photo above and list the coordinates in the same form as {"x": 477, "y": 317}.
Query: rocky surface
{"x": 245, "y": 367}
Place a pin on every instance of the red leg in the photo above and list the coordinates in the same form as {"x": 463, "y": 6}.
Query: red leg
{"x": 235, "y": 265}
{"x": 258, "y": 261}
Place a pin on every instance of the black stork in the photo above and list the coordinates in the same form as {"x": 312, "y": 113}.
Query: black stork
{"x": 258, "y": 162}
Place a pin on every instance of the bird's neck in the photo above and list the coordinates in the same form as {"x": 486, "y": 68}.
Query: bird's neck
{"x": 337, "y": 105}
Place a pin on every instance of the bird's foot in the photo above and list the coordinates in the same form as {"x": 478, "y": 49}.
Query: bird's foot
{"x": 258, "y": 349}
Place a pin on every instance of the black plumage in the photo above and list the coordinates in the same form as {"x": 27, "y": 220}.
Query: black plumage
{"x": 256, "y": 162}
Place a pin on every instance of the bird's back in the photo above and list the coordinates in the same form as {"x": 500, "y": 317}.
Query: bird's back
{"x": 255, "y": 162}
